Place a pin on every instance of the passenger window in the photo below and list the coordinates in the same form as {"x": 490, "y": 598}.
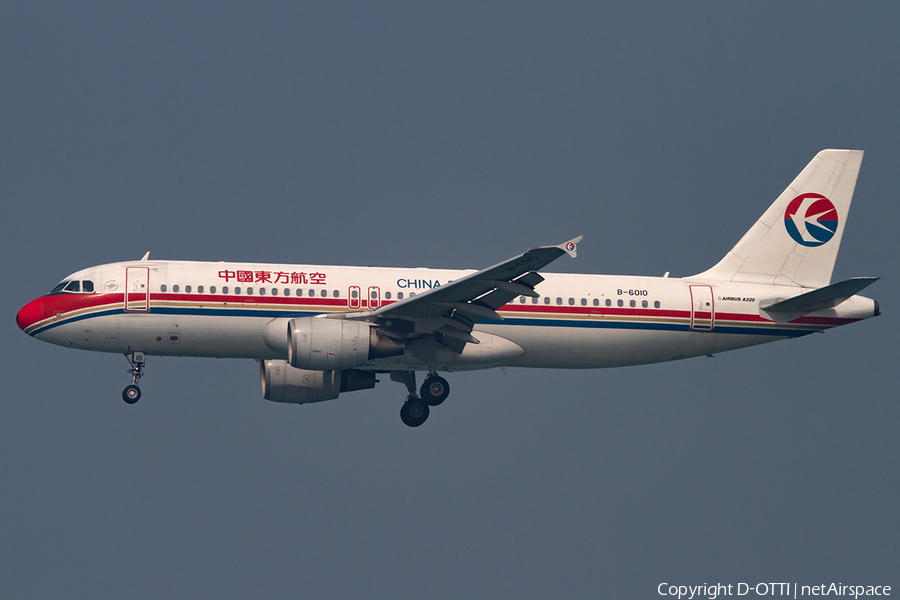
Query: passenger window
{"x": 631, "y": 304}
{"x": 354, "y": 294}
{"x": 74, "y": 286}
{"x": 522, "y": 300}
{"x": 324, "y": 294}
{"x": 559, "y": 300}
{"x": 620, "y": 303}
{"x": 644, "y": 304}
{"x": 571, "y": 301}
{"x": 237, "y": 290}
{"x": 596, "y": 302}
{"x": 299, "y": 293}
{"x": 584, "y": 301}
{"x": 656, "y": 304}
{"x": 199, "y": 289}
{"x": 175, "y": 288}
{"x": 274, "y": 291}
{"x": 312, "y": 293}
{"x": 608, "y": 302}
{"x": 387, "y": 295}
{"x": 224, "y": 289}
{"x": 249, "y": 291}
{"x": 287, "y": 292}
{"x": 374, "y": 295}
{"x": 87, "y": 286}
{"x": 212, "y": 289}
{"x": 546, "y": 299}
{"x": 336, "y": 294}
{"x": 399, "y": 295}
{"x": 534, "y": 299}
{"x": 163, "y": 288}
{"x": 187, "y": 289}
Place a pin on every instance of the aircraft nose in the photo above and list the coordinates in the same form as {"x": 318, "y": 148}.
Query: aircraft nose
{"x": 30, "y": 314}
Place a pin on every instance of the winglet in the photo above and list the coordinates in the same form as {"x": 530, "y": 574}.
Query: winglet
{"x": 146, "y": 257}
{"x": 571, "y": 247}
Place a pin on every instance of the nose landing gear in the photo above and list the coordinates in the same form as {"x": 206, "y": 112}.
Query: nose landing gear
{"x": 132, "y": 393}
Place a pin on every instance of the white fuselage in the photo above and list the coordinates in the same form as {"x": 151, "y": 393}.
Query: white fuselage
{"x": 181, "y": 308}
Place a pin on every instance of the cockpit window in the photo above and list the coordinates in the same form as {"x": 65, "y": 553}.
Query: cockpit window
{"x": 74, "y": 287}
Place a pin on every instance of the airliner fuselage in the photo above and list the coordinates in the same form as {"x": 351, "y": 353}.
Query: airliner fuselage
{"x": 180, "y": 308}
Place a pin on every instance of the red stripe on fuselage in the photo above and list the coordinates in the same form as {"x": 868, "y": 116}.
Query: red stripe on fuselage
{"x": 59, "y": 304}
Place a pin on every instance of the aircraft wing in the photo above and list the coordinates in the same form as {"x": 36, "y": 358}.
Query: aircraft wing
{"x": 452, "y": 309}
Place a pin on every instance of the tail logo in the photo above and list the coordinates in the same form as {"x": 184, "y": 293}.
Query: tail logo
{"x": 811, "y": 220}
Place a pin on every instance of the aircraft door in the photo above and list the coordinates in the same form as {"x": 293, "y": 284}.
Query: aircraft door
{"x": 353, "y": 297}
{"x": 703, "y": 313}
{"x": 137, "y": 289}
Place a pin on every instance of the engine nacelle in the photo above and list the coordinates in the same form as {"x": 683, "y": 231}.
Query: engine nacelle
{"x": 283, "y": 383}
{"x": 322, "y": 344}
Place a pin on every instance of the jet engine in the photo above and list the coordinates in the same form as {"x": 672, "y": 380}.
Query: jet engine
{"x": 322, "y": 344}
{"x": 283, "y": 383}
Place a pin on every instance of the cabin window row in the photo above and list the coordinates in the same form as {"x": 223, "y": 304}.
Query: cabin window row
{"x": 312, "y": 293}
{"x": 584, "y": 302}
{"x": 275, "y": 291}
{"x": 250, "y": 291}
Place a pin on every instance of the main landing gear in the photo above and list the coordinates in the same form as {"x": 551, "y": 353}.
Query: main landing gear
{"x": 416, "y": 409}
{"x": 132, "y": 393}
{"x": 434, "y": 390}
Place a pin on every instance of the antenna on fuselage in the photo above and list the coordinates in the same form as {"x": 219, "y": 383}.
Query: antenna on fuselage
{"x": 146, "y": 257}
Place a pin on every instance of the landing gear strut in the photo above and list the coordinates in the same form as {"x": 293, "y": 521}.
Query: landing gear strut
{"x": 132, "y": 393}
{"x": 434, "y": 390}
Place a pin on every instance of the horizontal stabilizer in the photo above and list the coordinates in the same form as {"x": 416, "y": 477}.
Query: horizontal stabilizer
{"x": 826, "y": 297}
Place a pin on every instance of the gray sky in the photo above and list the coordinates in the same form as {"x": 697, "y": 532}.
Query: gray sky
{"x": 447, "y": 135}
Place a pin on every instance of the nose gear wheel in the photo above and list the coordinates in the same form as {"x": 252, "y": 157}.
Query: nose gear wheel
{"x": 132, "y": 393}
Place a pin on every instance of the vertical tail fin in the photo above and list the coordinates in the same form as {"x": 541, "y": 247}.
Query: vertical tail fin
{"x": 796, "y": 241}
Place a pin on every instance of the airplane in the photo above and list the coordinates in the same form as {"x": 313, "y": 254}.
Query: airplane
{"x": 319, "y": 331}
